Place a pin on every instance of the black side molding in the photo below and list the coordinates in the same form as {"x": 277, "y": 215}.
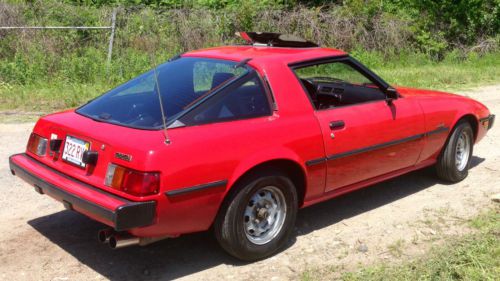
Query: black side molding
{"x": 315, "y": 161}
{"x": 437, "y": 131}
{"x": 186, "y": 190}
{"x": 375, "y": 147}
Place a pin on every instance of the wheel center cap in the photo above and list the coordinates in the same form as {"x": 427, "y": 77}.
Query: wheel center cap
{"x": 262, "y": 213}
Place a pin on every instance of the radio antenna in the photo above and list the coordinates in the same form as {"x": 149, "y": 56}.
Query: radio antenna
{"x": 162, "y": 109}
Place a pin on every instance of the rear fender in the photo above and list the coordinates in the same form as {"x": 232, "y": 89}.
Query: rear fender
{"x": 275, "y": 153}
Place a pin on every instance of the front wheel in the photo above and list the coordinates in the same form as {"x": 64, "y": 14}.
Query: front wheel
{"x": 258, "y": 219}
{"x": 453, "y": 163}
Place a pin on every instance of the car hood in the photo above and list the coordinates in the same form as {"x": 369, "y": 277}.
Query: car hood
{"x": 412, "y": 92}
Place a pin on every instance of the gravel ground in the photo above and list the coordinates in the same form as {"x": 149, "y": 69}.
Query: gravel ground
{"x": 392, "y": 221}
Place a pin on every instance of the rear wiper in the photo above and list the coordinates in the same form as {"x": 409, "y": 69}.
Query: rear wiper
{"x": 93, "y": 117}
{"x": 104, "y": 116}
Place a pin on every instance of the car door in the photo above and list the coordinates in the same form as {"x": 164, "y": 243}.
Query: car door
{"x": 365, "y": 135}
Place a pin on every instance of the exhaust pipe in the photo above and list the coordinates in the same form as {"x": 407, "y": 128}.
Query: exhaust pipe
{"x": 117, "y": 240}
{"x": 104, "y": 234}
{"x": 120, "y": 241}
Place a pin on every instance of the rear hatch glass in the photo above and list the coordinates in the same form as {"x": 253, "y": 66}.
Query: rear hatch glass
{"x": 180, "y": 84}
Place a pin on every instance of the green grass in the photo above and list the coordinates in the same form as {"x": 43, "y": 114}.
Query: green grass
{"x": 46, "y": 96}
{"x": 450, "y": 74}
{"x": 412, "y": 71}
{"x": 472, "y": 257}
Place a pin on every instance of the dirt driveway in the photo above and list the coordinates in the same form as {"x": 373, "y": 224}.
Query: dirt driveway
{"x": 394, "y": 220}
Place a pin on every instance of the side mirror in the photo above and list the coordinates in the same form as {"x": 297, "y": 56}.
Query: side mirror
{"x": 391, "y": 94}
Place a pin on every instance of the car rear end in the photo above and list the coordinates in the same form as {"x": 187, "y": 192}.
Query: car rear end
{"x": 109, "y": 158}
{"x": 87, "y": 166}
{"x": 112, "y": 160}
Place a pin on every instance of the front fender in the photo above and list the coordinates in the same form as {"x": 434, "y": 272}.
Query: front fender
{"x": 443, "y": 110}
{"x": 476, "y": 110}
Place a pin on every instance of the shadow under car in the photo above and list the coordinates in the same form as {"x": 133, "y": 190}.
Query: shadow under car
{"x": 188, "y": 254}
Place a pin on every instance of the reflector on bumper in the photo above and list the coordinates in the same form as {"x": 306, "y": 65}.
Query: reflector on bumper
{"x": 487, "y": 122}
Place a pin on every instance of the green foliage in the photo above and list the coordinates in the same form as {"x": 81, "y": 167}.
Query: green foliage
{"x": 463, "y": 19}
{"x": 383, "y": 34}
{"x": 443, "y": 24}
{"x": 216, "y": 4}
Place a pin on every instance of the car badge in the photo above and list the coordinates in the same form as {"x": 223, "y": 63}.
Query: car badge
{"x": 123, "y": 156}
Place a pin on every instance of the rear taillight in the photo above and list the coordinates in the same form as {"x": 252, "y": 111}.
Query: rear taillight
{"x": 131, "y": 181}
{"x": 37, "y": 145}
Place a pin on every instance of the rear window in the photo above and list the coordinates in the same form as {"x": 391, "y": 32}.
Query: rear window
{"x": 181, "y": 84}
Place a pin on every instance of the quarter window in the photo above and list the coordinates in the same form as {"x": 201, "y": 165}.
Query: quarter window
{"x": 247, "y": 99}
{"x": 208, "y": 75}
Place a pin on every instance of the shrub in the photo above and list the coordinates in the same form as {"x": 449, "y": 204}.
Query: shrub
{"x": 148, "y": 32}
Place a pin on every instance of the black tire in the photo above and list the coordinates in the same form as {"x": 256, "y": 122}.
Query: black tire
{"x": 446, "y": 166}
{"x": 230, "y": 227}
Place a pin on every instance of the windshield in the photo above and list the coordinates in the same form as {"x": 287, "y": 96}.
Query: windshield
{"x": 181, "y": 82}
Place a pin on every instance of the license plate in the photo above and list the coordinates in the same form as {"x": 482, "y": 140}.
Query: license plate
{"x": 74, "y": 149}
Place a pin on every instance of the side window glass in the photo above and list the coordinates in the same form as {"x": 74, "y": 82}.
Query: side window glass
{"x": 248, "y": 100}
{"x": 337, "y": 84}
{"x": 333, "y": 72}
{"x": 207, "y": 75}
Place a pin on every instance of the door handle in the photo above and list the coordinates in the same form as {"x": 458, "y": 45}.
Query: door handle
{"x": 335, "y": 125}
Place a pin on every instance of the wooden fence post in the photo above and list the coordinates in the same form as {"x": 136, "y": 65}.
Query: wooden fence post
{"x": 111, "y": 37}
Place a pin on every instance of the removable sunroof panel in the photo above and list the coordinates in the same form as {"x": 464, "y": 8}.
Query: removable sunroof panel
{"x": 276, "y": 39}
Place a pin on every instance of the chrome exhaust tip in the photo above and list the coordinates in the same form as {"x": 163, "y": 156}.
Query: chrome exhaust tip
{"x": 104, "y": 234}
{"x": 121, "y": 241}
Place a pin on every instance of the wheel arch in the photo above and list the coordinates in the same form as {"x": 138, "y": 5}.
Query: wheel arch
{"x": 290, "y": 166}
{"x": 471, "y": 119}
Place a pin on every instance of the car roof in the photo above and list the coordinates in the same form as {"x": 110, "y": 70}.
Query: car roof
{"x": 264, "y": 54}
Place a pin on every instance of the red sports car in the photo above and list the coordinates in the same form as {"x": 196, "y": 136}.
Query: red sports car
{"x": 238, "y": 138}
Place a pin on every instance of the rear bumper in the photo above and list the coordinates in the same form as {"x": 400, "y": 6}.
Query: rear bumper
{"x": 117, "y": 212}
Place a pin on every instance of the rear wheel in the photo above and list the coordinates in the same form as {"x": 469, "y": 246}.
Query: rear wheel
{"x": 258, "y": 219}
{"x": 453, "y": 163}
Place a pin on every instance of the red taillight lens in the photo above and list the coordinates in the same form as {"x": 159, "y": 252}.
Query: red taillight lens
{"x": 131, "y": 181}
{"x": 37, "y": 145}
